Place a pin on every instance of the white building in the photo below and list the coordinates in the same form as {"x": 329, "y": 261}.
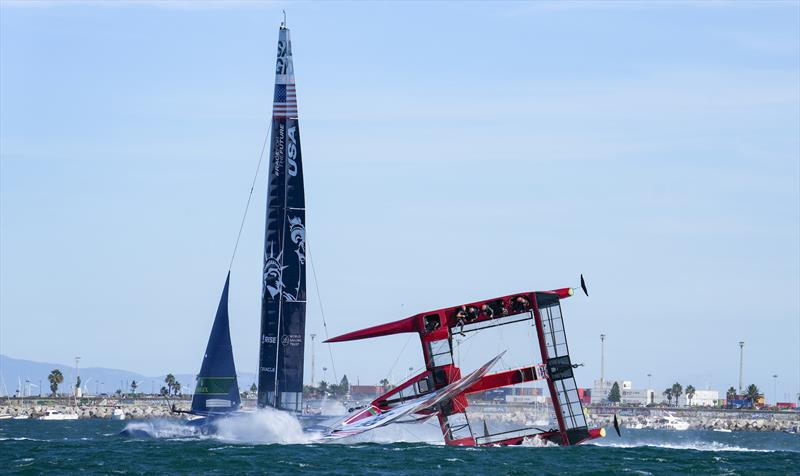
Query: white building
{"x": 600, "y": 391}
{"x": 637, "y": 397}
{"x": 628, "y": 394}
{"x": 525, "y": 399}
{"x": 701, "y": 398}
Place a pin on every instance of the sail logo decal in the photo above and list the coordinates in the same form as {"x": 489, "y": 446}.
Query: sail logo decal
{"x": 292, "y": 149}
{"x": 284, "y": 63}
{"x": 273, "y": 274}
{"x": 297, "y": 232}
{"x": 269, "y": 340}
{"x": 292, "y": 339}
{"x": 278, "y": 151}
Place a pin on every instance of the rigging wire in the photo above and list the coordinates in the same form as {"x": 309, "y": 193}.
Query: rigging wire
{"x": 400, "y": 354}
{"x": 321, "y": 310}
{"x": 250, "y": 195}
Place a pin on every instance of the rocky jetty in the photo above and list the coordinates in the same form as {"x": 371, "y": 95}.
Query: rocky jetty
{"x": 639, "y": 418}
{"x": 100, "y": 409}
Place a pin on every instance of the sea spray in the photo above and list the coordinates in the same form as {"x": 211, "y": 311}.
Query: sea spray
{"x": 264, "y": 426}
{"x": 161, "y": 429}
{"x": 332, "y": 407}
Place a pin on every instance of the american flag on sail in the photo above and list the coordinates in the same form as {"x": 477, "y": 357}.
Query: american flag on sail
{"x": 285, "y": 104}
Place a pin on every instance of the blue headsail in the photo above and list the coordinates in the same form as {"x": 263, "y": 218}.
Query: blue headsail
{"x": 217, "y": 389}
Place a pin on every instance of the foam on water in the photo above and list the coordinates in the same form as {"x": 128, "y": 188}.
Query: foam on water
{"x": 699, "y": 440}
{"x": 695, "y": 445}
{"x": 537, "y": 442}
{"x": 399, "y": 433}
{"x": 264, "y": 426}
{"x": 166, "y": 429}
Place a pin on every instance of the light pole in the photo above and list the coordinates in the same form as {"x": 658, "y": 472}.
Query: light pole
{"x": 313, "y": 336}
{"x": 775, "y": 388}
{"x": 649, "y": 381}
{"x": 602, "y": 360}
{"x": 741, "y": 366}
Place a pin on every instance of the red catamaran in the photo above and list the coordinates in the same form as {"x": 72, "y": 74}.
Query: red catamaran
{"x": 441, "y": 391}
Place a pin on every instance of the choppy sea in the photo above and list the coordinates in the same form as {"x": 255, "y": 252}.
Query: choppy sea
{"x": 264, "y": 447}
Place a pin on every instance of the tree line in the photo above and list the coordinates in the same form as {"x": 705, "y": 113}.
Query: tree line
{"x": 676, "y": 390}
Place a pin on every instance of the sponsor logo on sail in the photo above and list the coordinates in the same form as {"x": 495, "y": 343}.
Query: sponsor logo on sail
{"x": 292, "y": 149}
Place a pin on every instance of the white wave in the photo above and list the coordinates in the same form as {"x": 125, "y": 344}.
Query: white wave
{"x": 695, "y": 445}
{"x": 264, "y": 426}
{"x": 537, "y": 442}
{"x": 399, "y": 433}
{"x": 20, "y": 438}
{"x": 162, "y": 429}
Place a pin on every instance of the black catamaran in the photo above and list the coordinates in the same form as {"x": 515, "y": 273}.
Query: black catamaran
{"x": 283, "y": 298}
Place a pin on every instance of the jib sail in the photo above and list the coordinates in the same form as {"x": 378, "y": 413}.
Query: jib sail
{"x": 283, "y": 301}
{"x": 217, "y": 390}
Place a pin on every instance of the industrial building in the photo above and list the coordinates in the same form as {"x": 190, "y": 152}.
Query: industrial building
{"x": 701, "y": 398}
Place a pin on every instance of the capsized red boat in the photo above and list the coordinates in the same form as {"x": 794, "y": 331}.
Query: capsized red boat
{"x": 441, "y": 391}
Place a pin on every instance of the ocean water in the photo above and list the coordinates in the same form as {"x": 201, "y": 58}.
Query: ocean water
{"x": 267, "y": 446}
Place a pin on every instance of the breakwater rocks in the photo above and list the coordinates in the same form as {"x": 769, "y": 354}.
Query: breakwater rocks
{"x": 730, "y": 422}
{"x": 639, "y": 418}
{"x": 102, "y": 409}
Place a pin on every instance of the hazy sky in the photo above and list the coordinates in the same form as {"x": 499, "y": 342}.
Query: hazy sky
{"x": 453, "y": 152}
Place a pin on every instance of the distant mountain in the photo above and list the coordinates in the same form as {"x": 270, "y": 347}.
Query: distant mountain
{"x": 26, "y": 375}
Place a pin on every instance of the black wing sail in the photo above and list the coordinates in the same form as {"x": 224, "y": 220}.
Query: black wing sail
{"x": 217, "y": 389}
{"x": 283, "y": 301}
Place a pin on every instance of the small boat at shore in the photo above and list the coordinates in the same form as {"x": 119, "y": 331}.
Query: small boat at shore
{"x": 723, "y": 430}
{"x": 671, "y": 422}
{"x": 57, "y": 415}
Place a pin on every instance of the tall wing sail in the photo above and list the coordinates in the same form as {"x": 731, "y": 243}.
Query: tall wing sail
{"x": 217, "y": 389}
{"x": 283, "y": 301}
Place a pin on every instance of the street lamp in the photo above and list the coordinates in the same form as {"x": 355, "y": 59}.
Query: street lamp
{"x": 313, "y": 336}
{"x": 602, "y": 360}
{"x": 741, "y": 365}
{"x": 775, "y": 387}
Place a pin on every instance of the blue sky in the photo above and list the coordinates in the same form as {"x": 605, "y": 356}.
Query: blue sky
{"x": 453, "y": 152}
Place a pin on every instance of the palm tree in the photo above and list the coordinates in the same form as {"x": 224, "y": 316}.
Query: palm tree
{"x": 170, "y": 381}
{"x": 668, "y": 394}
{"x": 384, "y": 383}
{"x": 677, "y": 391}
{"x": 752, "y": 392}
{"x": 731, "y": 394}
{"x": 253, "y": 388}
{"x": 690, "y": 390}
{"x": 55, "y": 378}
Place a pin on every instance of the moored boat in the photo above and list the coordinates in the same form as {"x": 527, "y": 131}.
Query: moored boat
{"x": 57, "y": 415}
